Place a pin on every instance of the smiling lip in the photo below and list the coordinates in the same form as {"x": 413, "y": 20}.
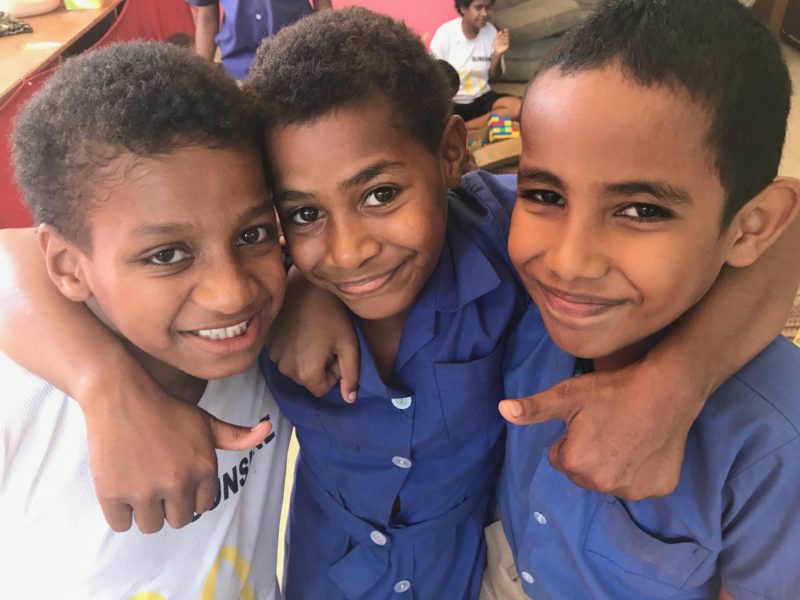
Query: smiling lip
{"x": 227, "y": 346}
{"x": 367, "y": 285}
{"x": 577, "y": 306}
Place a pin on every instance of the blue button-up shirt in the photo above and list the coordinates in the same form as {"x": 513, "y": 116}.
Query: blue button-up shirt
{"x": 734, "y": 519}
{"x": 392, "y": 493}
{"x": 246, "y": 24}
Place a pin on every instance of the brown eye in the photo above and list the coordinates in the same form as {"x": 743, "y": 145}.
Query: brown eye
{"x": 305, "y": 215}
{"x": 380, "y": 196}
{"x": 253, "y": 235}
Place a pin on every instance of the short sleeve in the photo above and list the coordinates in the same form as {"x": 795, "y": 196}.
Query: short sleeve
{"x": 202, "y": 2}
{"x": 439, "y": 44}
{"x": 761, "y": 528}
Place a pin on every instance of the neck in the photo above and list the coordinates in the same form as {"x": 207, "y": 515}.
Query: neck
{"x": 383, "y": 340}
{"x": 621, "y": 358}
{"x": 470, "y": 31}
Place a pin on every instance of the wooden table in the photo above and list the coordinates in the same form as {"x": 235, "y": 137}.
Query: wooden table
{"x": 24, "y": 54}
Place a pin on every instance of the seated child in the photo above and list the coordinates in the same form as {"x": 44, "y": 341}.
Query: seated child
{"x": 653, "y": 165}
{"x": 475, "y": 49}
{"x": 392, "y": 493}
{"x": 154, "y": 213}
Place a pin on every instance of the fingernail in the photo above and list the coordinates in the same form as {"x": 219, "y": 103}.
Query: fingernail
{"x": 514, "y": 409}
{"x": 352, "y": 396}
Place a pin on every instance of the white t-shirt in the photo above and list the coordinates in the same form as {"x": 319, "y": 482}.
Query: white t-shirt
{"x": 54, "y": 542}
{"x": 471, "y": 58}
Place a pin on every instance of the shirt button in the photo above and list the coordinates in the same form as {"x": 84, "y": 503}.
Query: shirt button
{"x": 527, "y": 577}
{"x": 258, "y": 16}
{"x": 401, "y": 462}
{"x": 402, "y": 586}
{"x": 377, "y": 537}
{"x": 402, "y": 403}
{"x": 540, "y": 518}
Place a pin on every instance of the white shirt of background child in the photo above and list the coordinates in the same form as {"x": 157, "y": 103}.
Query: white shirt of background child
{"x": 471, "y": 58}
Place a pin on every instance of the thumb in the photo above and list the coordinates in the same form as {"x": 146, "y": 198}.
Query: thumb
{"x": 349, "y": 359}
{"x": 236, "y": 437}
{"x": 559, "y": 402}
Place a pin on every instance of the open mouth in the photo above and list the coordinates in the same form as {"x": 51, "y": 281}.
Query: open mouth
{"x": 223, "y": 333}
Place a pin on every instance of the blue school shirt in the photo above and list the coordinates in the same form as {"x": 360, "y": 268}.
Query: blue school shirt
{"x": 245, "y": 24}
{"x": 392, "y": 493}
{"x": 734, "y": 519}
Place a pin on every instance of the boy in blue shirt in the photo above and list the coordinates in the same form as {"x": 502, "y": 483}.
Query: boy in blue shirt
{"x": 392, "y": 493}
{"x": 623, "y": 220}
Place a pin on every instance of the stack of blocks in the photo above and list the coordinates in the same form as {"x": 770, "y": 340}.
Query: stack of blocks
{"x": 502, "y": 128}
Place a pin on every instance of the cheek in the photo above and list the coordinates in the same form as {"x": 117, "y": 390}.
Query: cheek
{"x": 527, "y": 238}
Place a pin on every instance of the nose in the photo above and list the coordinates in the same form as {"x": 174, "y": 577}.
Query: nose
{"x": 226, "y": 287}
{"x": 577, "y": 251}
{"x": 351, "y": 244}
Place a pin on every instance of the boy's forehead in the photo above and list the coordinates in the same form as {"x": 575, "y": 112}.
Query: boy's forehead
{"x": 603, "y": 122}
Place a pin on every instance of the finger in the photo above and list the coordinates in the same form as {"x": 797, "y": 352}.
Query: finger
{"x": 236, "y": 437}
{"x": 118, "y": 515}
{"x": 179, "y": 508}
{"x": 554, "y": 455}
{"x": 348, "y": 358}
{"x": 149, "y": 515}
{"x": 556, "y": 403}
{"x": 206, "y": 494}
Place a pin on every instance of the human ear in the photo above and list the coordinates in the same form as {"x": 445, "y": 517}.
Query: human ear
{"x": 763, "y": 220}
{"x": 62, "y": 259}
{"x": 453, "y": 151}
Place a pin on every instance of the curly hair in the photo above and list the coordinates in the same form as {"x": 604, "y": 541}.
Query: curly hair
{"x": 718, "y": 52}
{"x": 142, "y": 98}
{"x": 343, "y": 58}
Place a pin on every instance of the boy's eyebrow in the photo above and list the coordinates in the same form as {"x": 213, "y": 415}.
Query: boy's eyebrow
{"x": 173, "y": 228}
{"x": 665, "y": 192}
{"x": 539, "y": 176}
{"x": 365, "y": 175}
{"x": 370, "y": 172}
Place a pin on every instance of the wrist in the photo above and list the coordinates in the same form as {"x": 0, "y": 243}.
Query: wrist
{"x": 99, "y": 386}
{"x": 693, "y": 384}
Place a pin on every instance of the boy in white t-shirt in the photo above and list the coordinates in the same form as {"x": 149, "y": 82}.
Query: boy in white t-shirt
{"x": 475, "y": 49}
{"x": 154, "y": 213}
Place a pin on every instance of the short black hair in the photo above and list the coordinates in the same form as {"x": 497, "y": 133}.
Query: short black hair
{"x": 718, "y": 52}
{"x": 143, "y": 98}
{"x": 462, "y": 5}
{"x": 342, "y": 58}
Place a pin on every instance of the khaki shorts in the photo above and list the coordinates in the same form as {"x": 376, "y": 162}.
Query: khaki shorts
{"x": 500, "y": 579}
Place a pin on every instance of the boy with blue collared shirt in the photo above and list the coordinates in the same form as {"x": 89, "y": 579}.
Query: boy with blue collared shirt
{"x": 244, "y": 25}
{"x": 393, "y": 492}
{"x": 649, "y": 170}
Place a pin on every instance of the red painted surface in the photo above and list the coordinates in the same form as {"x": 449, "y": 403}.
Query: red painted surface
{"x": 423, "y": 16}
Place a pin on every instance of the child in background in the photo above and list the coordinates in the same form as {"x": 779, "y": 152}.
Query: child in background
{"x": 393, "y": 492}
{"x": 475, "y": 49}
{"x": 156, "y": 216}
{"x": 649, "y": 170}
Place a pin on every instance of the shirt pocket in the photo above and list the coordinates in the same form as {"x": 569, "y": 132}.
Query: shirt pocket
{"x": 645, "y": 564}
{"x": 469, "y": 393}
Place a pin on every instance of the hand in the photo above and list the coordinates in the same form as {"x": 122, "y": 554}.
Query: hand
{"x": 501, "y": 42}
{"x": 624, "y": 436}
{"x": 312, "y": 340}
{"x": 153, "y": 457}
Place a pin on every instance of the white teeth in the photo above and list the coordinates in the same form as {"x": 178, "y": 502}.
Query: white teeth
{"x": 224, "y": 333}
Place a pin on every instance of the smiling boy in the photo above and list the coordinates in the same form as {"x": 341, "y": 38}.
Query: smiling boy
{"x": 624, "y": 219}
{"x": 392, "y": 493}
{"x": 155, "y": 215}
